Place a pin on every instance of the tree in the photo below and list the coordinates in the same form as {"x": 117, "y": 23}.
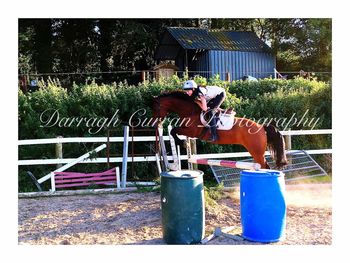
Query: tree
{"x": 25, "y": 46}
{"x": 107, "y": 45}
{"x": 42, "y": 45}
{"x": 303, "y": 44}
{"x": 105, "y": 31}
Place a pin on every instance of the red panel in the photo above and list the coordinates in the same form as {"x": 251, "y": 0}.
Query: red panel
{"x": 85, "y": 179}
{"x": 85, "y": 184}
{"x": 70, "y": 179}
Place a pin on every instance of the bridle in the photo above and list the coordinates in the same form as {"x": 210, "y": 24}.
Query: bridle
{"x": 158, "y": 111}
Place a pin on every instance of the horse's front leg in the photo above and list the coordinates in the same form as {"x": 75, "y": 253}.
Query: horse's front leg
{"x": 176, "y": 138}
{"x": 178, "y": 141}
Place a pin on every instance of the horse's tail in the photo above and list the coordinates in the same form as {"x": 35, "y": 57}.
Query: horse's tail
{"x": 276, "y": 145}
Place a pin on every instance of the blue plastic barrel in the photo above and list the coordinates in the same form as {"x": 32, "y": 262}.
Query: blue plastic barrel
{"x": 182, "y": 203}
{"x": 263, "y": 205}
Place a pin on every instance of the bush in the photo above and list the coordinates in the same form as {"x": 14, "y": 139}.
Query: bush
{"x": 267, "y": 98}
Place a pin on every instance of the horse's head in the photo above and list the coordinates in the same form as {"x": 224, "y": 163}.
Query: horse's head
{"x": 158, "y": 112}
{"x": 175, "y": 101}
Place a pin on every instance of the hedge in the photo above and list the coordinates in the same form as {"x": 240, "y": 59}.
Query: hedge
{"x": 266, "y": 98}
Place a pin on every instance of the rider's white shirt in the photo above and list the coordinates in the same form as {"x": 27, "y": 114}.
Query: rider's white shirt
{"x": 211, "y": 92}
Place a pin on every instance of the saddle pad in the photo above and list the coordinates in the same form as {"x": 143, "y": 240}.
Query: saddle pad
{"x": 225, "y": 122}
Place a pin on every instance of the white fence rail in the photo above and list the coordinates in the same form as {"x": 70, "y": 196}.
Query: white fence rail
{"x": 142, "y": 138}
{"x": 88, "y": 139}
{"x": 147, "y": 139}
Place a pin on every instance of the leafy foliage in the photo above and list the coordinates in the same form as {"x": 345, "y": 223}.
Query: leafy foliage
{"x": 268, "y": 98}
{"x": 75, "y": 46}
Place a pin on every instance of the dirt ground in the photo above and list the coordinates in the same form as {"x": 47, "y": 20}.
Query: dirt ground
{"x": 135, "y": 218}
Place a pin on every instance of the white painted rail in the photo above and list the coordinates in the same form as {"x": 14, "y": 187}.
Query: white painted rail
{"x": 225, "y": 163}
{"x": 91, "y": 139}
{"x": 70, "y": 164}
{"x": 148, "y": 139}
{"x": 306, "y": 132}
{"x": 152, "y": 158}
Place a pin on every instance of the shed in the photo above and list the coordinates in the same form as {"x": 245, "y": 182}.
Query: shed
{"x": 209, "y": 52}
{"x": 165, "y": 70}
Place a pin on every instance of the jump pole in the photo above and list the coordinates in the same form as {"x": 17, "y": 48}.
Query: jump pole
{"x": 175, "y": 165}
{"x": 125, "y": 156}
{"x": 225, "y": 163}
{"x": 158, "y": 164}
{"x": 189, "y": 153}
{"x": 162, "y": 147}
{"x": 222, "y": 232}
{"x": 61, "y": 169}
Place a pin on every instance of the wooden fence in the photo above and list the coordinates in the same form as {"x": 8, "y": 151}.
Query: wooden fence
{"x": 59, "y": 141}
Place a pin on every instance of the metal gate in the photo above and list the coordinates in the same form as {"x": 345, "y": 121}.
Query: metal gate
{"x": 300, "y": 166}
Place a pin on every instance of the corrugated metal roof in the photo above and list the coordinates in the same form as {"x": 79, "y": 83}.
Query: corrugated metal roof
{"x": 197, "y": 38}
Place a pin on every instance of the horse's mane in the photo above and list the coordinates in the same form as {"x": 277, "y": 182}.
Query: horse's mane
{"x": 177, "y": 94}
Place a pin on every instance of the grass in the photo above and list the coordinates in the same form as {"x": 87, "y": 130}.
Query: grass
{"x": 213, "y": 194}
{"x": 148, "y": 189}
{"x": 313, "y": 180}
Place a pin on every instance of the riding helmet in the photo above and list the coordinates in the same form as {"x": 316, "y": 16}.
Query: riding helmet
{"x": 189, "y": 84}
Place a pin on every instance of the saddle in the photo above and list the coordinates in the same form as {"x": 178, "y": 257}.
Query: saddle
{"x": 225, "y": 120}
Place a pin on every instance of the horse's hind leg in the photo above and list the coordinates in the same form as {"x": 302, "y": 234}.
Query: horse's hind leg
{"x": 257, "y": 151}
{"x": 256, "y": 145}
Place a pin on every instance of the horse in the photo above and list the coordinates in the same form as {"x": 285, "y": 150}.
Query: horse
{"x": 254, "y": 137}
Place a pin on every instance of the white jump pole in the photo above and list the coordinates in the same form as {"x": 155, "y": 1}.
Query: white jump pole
{"x": 125, "y": 156}
{"x": 158, "y": 164}
{"x": 175, "y": 165}
{"x": 179, "y": 157}
{"x": 64, "y": 167}
{"x": 117, "y": 174}
{"x": 231, "y": 164}
{"x": 162, "y": 147}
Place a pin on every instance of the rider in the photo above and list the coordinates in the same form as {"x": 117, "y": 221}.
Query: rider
{"x": 209, "y": 98}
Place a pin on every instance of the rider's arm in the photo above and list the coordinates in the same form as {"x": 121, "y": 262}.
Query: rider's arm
{"x": 202, "y": 103}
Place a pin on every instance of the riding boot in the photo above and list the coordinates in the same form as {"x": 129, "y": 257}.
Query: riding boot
{"x": 214, "y": 134}
{"x": 213, "y": 130}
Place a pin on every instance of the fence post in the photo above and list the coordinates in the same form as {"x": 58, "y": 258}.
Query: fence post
{"x": 143, "y": 76}
{"x": 189, "y": 153}
{"x": 288, "y": 141}
{"x": 59, "y": 151}
{"x": 185, "y": 73}
{"x": 193, "y": 146}
{"x": 228, "y": 77}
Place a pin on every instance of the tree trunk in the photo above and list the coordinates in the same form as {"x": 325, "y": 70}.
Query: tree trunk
{"x": 42, "y": 45}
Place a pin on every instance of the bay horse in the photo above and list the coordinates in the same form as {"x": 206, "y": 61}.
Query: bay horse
{"x": 254, "y": 137}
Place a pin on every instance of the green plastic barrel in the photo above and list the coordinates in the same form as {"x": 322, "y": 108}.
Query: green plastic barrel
{"x": 182, "y": 203}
